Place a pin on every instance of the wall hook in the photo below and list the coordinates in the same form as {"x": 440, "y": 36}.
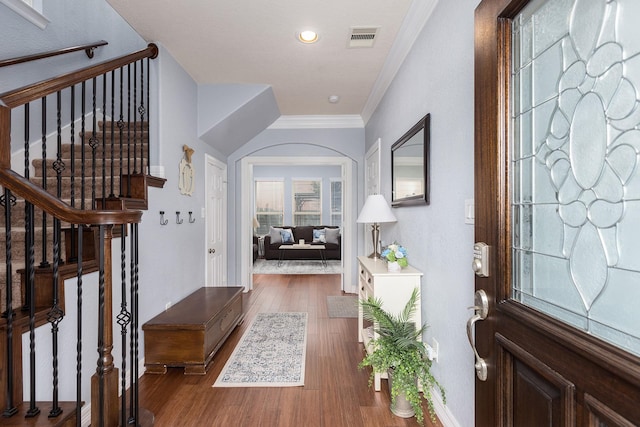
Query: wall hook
{"x": 162, "y": 220}
{"x": 178, "y": 220}
{"x": 191, "y": 220}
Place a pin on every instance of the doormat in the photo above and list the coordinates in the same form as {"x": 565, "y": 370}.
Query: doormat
{"x": 271, "y": 353}
{"x": 342, "y": 306}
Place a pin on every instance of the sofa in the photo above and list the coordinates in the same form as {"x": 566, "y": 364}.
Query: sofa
{"x": 326, "y": 235}
{"x": 255, "y": 248}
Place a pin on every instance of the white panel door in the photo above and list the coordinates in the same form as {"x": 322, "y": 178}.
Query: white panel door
{"x": 216, "y": 229}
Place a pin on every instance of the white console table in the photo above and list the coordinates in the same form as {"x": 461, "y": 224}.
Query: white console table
{"x": 392, "y": 288}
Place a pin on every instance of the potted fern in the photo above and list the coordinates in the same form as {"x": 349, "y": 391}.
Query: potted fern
{"x": 398, "y": 350}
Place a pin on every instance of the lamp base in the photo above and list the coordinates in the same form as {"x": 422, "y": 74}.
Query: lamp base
{"x": 375, "y": 233}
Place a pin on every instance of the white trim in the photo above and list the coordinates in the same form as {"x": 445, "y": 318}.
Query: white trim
{"x": 345, "y": 121}
{"x": 246, "y": 213}
{"x": 442, "y": 411}
{"x": 415, "y": 19}
{"x": 377, "y": 146}
{"x": 27, "y": 12}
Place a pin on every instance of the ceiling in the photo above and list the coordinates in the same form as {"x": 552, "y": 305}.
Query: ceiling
{"x": 253, "y": 41}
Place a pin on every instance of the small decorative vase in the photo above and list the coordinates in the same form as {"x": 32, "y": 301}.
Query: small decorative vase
{"x": 393, "y": 266}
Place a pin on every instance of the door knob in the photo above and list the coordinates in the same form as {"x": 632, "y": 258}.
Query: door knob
{"x": 481, "y": 310}
{"x": 212, "y": 251}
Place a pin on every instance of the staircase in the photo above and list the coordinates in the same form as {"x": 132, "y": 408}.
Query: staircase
{"x": 58, "y": 218}
{"x": 120, "y": 191}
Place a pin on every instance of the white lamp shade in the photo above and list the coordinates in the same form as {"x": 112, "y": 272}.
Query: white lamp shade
{"x": 376, "y": 209}
{"x": 256, "y": 224}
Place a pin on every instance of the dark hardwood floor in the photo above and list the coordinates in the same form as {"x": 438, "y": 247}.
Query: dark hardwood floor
{"x": 335, "y": 394}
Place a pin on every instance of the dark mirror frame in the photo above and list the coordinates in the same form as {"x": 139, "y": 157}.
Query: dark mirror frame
{"x": 418, "y": 199}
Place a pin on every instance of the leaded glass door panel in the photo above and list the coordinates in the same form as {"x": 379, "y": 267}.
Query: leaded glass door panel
{"x": 558, "y": 202}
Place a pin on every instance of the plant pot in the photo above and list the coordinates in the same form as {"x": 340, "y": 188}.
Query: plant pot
{"x": 401, "y": 407}
{"x": 393, "y": 266}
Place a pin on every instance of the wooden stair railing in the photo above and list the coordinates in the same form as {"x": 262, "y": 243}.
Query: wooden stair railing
{"x": 89, "y": 205}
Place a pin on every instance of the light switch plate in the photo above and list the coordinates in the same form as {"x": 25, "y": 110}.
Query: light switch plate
{"x": 469, "y": 211}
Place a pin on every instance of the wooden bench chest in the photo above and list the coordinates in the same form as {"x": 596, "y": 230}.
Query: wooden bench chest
{"x": 189, "y": 333}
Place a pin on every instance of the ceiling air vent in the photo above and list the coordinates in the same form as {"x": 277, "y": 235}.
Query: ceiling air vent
{"x": 362, "y": 36}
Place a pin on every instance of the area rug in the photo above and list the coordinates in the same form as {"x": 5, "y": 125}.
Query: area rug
{"x": 271, "y": 353}
{"x": 342, "y": 306}
{"x": 270, "y": 266}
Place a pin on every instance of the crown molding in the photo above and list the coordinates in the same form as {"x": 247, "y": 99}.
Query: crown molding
{"x": 27, "y": 12}
{"x": 415, "y": 20}
{"x": 318, "y": 122}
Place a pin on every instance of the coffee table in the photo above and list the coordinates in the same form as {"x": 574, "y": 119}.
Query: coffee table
{"x": 306, "y": 246}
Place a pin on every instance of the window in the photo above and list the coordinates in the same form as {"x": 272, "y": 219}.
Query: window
{"x": 307, "y": 206}
{"x": 336, "y": 202}
{"x": 269, "y": 205}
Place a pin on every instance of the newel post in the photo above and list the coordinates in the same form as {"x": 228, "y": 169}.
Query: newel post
{"x": 104, "y": 383}
{"x": 5, "y": 137}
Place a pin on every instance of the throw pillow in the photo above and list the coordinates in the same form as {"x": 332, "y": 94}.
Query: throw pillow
{"x": 287, "y": 235}
{"x": 274, "y": 235}
{"x": 319, "y": 236}
{"x": 331, "y": 235}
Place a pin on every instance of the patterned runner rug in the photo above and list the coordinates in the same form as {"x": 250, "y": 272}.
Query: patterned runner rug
{"x": 270, "y": 266}
{"x": 271, "y": 353}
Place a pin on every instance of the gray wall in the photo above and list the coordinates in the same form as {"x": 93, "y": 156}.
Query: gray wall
{"x": 437, "y": 78}
{"x": 73, "y": 22}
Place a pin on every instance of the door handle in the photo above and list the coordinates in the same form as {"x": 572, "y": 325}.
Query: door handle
{"x": 212, "y": 251}
{"x": 481, "y": 310}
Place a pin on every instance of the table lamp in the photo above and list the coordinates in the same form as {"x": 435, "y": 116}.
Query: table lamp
{"x": 375, "y": 211}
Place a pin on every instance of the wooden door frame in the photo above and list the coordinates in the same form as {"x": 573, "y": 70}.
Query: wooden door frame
{"x": 614, "y": 368}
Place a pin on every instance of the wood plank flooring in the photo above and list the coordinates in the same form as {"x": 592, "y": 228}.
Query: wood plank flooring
{"x": 335, "y": 394}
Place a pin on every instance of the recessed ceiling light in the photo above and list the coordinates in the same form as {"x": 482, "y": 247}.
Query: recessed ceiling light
{"x": 334, "y": 99}
{"x": 308, "y": 36}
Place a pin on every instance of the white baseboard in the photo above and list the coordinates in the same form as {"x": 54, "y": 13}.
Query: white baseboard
{"x": 442, "y": 411}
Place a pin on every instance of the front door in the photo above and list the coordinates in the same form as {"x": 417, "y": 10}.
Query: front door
{"x": 557, "y": 196}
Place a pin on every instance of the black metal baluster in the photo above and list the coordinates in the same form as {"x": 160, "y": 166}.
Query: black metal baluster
{"x": 103, "y": 195}
{"x": 73, "y": 255}
{"x": 55, "y": 314}
{"x": 142, "y": 112}
{"x": 121, "y": 127}
{"x": 101, "y": 327}
{"x": 134, "y": 323}
{"x": 129, "y": 130}
{"x": 44, "y": 263}
{"x": 80, "y": 273}
{"x": 135, "y": 117}
{"x": 10, "y": 409}
{"x": 93, "y": 143}
{"x": 27, "y": 173}
{"x": 124, "y": 318}
{"x": 31, "y": 286}
{"x": 148, "y": 118}
{"x": 83, "y": 159}
{"x": 113, "y": 114}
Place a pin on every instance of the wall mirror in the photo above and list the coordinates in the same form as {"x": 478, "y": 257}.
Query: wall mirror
{"x": 410, "y": 166}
